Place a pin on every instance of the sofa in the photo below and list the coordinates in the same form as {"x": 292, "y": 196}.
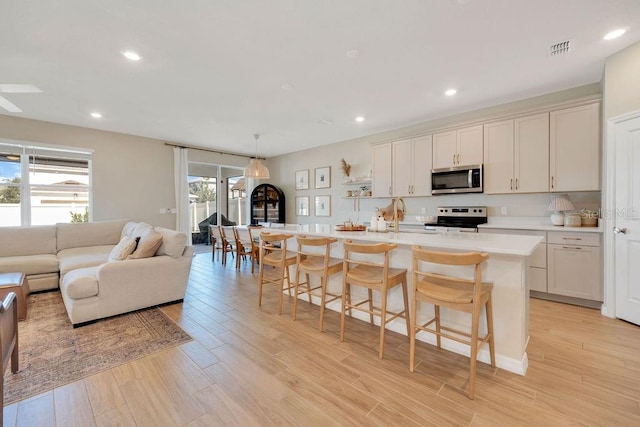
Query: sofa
{"x": 97, "y": 279}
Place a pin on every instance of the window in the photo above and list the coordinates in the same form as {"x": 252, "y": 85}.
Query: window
{"x": 236, "y": 199}
{"x": 41, "y": 185}
{"x": 202, "y": 200}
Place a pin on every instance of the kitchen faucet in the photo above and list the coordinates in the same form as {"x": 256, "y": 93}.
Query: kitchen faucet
{"x": 395, "y": 212}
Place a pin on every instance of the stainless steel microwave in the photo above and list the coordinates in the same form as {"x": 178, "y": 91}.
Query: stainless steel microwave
{"x": 459, "y": 179}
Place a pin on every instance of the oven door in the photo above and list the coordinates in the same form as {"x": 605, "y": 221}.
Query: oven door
{"x": 466, "y": 179}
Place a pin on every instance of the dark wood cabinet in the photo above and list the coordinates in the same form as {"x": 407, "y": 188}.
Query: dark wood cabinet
{"x": 267, "y": 204}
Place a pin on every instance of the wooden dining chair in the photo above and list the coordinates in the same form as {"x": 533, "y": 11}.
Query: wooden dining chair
{"x": 371, "y": 270}
{"x": 315, "y": 263}
{"x": 8, "y": 338}
{"x": 245, "y": 246}
{"x": 216, "y": 242}
{"x": 455, "y": 293}
{"x": 228, "y": 242}
{"x": 274, "y": 253}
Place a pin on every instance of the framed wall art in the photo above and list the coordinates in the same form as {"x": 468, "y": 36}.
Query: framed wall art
{"x": 323, "y": 205}
{"x": 302, "y": 179}
{"x": 302, "y": 206}
{"x": 323, "y": 177}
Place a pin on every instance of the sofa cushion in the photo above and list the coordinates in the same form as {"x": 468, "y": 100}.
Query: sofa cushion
{"x": 33, "y": 240}
{"x": 29, "y": 264}
{"x": 122, "y": 250}
{"x": 173, "y": 242}
{"x": 149, "y": 243}
{"x": 73, "y": 258}
{"x": 81, "y": 283}
{"x": 77, "y": 235}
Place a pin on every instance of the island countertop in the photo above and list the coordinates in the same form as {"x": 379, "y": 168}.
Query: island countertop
{"x": 490, "y": 243}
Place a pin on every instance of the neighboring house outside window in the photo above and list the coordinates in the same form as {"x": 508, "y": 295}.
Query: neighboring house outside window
{"x": 42, "y": 185}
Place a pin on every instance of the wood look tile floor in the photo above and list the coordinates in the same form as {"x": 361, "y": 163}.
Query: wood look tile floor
{"x": 249, "y": 366}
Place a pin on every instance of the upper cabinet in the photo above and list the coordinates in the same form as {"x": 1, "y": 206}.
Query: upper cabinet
{"x": 412, "y": 167}
{"x": 382, "y": 170}
{"x": 516, "y": 154}
{"x": 460, "y": 147}
{"x": 574, "y": 141}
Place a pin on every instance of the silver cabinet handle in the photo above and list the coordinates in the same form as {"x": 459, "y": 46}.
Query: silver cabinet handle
{"x": 511, "y": 183}
{"x": 620, "y": 230}
{"x": 458, "y": 158}
{"x": 571, "y": 247}
{"x": 551, "y": 181}
{"x": 516, "y": 183}
{"x": 454, "y": 159}
{"x": 572, "y": 238}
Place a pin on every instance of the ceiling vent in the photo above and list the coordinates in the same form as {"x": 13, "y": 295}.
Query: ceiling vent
{"x": 562, "y": 48}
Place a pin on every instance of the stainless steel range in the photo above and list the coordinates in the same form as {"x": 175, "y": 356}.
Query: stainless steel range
{"x": 458, "y": 218}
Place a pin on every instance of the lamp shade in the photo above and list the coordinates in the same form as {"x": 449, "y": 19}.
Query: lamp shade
{"x": 561, "y": 203}
{"x": 256, "y": 170}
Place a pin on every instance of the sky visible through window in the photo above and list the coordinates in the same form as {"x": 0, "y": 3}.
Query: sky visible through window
{"x": 9, "y": 170}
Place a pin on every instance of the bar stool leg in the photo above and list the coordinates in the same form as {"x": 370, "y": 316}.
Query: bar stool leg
{"x": 370, "y": 306}
{"x": 296, "y": 283}
{"x": 323, "y": 300}
{"x": 412, "y": 336}
{"x": 383, "y": 321}
{"x": 405, "y": 294}
{"x": 492, "y": 349}
{"x": 344, "y": 308}
{"x": 474, "y": 351}
{"x": 260, "y": 283}
{"x": 283, "y": 272}
{"x": 308, "y": 287}
{"x": 436, "y": 310}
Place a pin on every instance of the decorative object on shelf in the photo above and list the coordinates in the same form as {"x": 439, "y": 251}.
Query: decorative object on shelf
{"x": 589, "y": 218}
{"x": 572, "y": 219}
{"x": 323, "y": 177}
{"x": 302, "y": 206}
{"x": 323, "y": 205}
{"x": 302, "y": 179}
{"x": 558, "y": 206}
{"x": 346, "y": 169}
{"x": 256, "y": 169}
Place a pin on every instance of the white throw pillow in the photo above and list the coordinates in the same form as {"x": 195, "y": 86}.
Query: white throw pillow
{"x": 122, "y": 250}
{"x": 149, "y": 243}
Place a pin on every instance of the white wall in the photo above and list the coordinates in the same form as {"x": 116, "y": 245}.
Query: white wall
{"x": 622, "y": 82}
{"x": 358, "y": 153}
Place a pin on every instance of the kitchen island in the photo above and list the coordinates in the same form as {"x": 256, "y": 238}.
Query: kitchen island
{"x": 506, "y": 268}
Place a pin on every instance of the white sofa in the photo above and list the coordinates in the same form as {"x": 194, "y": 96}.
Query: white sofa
{"x": 75, "y": 258}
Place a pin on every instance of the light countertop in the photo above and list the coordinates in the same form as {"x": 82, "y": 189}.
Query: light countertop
{"x": 535, "y": 224}
{"x": 491, "y": 243}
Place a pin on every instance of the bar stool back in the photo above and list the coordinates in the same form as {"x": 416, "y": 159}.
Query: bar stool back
{"x": 467, "y": 295}
{"x": 375, "y": 276}
{"x": 312, "y": 263}
{"x": 273, "y": 252}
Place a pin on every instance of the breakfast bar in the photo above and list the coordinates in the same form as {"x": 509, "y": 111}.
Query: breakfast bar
{"x": 506, "y": 268}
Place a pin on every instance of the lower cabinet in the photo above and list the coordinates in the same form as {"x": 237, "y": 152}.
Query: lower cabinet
{"x": 566, "y": 266}
{"x": 574, "y": 262}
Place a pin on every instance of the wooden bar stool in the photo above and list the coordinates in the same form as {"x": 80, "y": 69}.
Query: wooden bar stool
{"x": 315, "y": 264}
{"x": 375, "y": 277}
{"x": 467, "y": 295}
{"x": 273, "y": 252}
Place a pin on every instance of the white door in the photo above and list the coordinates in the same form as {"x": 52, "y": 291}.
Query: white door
{"x": 627, "y": 220}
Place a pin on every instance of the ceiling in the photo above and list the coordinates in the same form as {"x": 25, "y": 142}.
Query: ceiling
{"x": 212, "y": 72}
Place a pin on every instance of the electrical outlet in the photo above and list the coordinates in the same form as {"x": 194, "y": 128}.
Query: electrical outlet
{"x": 504, "y": 210}
{"x": 163, "y": 211}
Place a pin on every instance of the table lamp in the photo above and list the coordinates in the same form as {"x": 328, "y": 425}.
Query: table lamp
{"x": 558, "y": 205}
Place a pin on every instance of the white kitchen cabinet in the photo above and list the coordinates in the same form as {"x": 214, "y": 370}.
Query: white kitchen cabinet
{"x": 460, "y": 147}
{"x": 516, "y": 155}
{"x": 412, "y": 167}
{"x": 574, "y": 265}
{"x": 574, "y": 156}
{"x": 382, "y": 170}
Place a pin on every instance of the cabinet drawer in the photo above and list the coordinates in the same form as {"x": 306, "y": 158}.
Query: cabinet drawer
{"x": 574, "y": 238}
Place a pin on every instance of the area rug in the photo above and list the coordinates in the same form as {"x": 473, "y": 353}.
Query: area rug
{"x": 53, "y": 353}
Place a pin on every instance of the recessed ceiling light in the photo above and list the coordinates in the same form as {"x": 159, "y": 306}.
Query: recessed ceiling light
{"x": 286, "y": 86}
{"x": 359, "y": 119}
{"x": 450, "y": 92}
{"x": 96, "y": 115}
{"x": 614, "y": 34}
{"x": 131, "y": 55}
{"x": 353, "y": 53}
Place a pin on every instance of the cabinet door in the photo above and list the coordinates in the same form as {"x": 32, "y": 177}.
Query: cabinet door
{"x": 402, "y": 174}
{"x": 422, "y": 163}
{"x": 574, "y": 143}
{"x": 470, "y": 146}
{"x": 444, "y": 149}
{"x": 382, "y": 170}
{"x": 574, "y": 271}
{"x": 531, "y": 159}
{"x": 498, "y": 157}
{"x": 537, "y": 279}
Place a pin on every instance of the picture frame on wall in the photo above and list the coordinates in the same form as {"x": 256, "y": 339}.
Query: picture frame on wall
{"x": 323, "y": 177}
{"x": 302, "y": 179}
{"x": 323, "y": 205}
{"x": 302, "y": 206}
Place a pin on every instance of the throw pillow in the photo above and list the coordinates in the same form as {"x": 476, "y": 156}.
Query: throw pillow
{"x": 122, "y": 250}
{"x": 149, "y": 243}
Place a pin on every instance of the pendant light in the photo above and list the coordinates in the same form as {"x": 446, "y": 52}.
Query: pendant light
{"x": 256, "y": 169}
